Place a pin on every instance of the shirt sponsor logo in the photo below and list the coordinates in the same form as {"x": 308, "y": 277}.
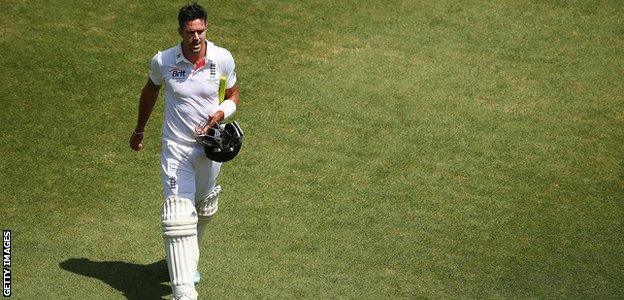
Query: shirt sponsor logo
{"x": 177, "y": 73}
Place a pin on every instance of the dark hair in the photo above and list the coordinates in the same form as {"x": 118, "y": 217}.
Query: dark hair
{"x": 191, "y": 12}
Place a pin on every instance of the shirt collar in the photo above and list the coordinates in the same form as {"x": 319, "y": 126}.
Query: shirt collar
{"x": 179, "y": 57}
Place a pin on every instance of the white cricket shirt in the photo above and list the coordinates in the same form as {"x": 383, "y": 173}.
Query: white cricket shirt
{"x": 190, "y": 94}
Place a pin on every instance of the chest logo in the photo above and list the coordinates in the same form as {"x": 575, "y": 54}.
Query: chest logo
{"x": 177, "y": 73}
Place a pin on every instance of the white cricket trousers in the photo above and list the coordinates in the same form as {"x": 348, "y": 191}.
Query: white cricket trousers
{"x": 186, "y": 171}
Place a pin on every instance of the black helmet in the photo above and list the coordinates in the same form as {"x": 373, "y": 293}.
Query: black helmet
{"x": 222, "y": 142}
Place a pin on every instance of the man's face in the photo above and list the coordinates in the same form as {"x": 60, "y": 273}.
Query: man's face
{"x": 193, "y": 35}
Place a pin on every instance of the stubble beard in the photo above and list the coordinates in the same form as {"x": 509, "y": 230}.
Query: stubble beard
{"x": 197, "y": 45}
{"x": 196, "y": 48}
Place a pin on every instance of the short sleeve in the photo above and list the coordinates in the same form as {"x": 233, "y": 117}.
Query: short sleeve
{"x": 155, "y": 72}
{"x": 229, "y": 70}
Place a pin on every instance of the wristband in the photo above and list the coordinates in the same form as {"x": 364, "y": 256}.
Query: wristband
{"x": 138, "y": 133}
{"x": 228, "y": 107}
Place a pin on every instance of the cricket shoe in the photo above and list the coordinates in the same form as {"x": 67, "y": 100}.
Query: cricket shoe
{"x": 197, "y": 278}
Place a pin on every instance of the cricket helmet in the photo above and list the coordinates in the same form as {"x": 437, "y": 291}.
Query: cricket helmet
{"x": 222, "y": 142}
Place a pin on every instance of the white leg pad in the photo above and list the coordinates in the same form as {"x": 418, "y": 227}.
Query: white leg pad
{"x": 206, "y": 208}
{"x": 179, "y": 225}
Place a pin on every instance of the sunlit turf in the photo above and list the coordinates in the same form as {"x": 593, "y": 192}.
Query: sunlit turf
{"x": 393, "y": 149}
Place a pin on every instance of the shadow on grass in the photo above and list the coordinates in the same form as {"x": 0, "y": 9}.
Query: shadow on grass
{"x": 133, "y": 280}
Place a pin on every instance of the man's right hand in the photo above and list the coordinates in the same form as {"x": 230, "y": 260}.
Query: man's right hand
{"x": 210, "y": 122}
{"x": 136, "y": 140}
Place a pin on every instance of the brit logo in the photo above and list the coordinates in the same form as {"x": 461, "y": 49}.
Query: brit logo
{"x": 177, "y": 73}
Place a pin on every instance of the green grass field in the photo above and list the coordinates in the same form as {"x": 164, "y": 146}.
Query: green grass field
{"x": 394, "y": 149}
